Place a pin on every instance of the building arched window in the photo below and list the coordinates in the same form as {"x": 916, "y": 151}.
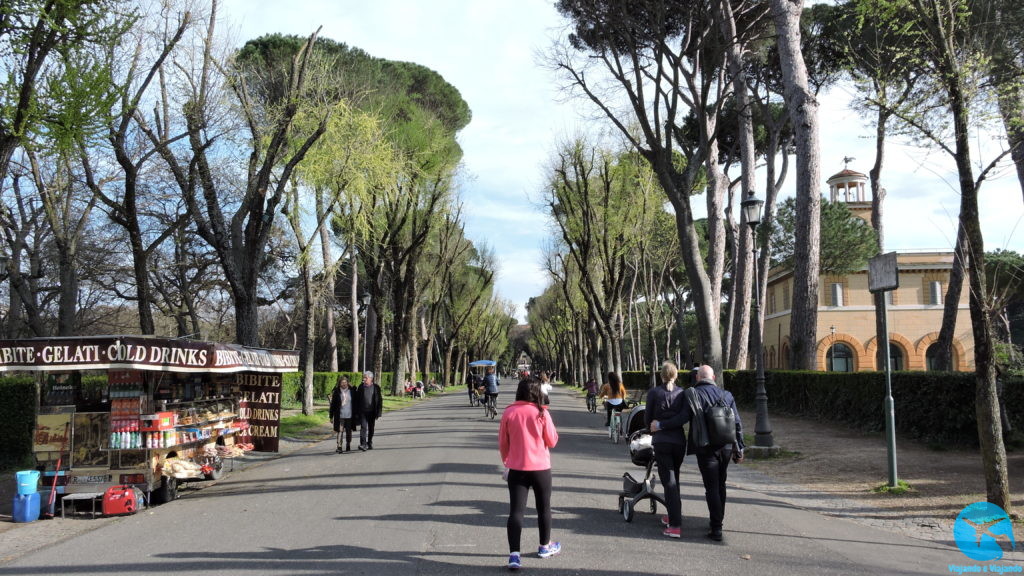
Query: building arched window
{"x": 839, "y": 358}
{"x": 896, "y": 358}
{"x": 931, "y": 358}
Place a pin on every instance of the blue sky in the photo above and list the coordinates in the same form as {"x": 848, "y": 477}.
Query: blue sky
{"x": 487, "y": 49}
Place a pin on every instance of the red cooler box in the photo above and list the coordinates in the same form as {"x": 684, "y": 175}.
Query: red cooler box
{"x": 121, "y": 500}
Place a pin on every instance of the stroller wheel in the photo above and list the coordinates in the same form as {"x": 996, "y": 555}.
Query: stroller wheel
{"x": 654, "y": 506}
{"x": 627, "y": 510}
{"x": 622, "y": 501}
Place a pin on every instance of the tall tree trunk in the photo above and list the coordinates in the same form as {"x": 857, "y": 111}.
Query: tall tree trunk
{"x": 1006, "y": 74}
{"x": 354, "y": 298}
{"x": 743, "y": 254}
{"x": 1014, "y": 126}
{"x": 951, "y": 303}
{"x": 446, "y": 369}
{"x": 595, "y": 355}
{"x": 709, "y": 340}
{"x": 990, "y": 430}
{"x": 68, "y": 299}
{"x": 143, "y": 290}
{"x": 803, "y": 112}
{"x": 875, "y": 177}
{"x": 652, "y": 342}
{"x": 939, "y": 23}
{"x": 877, "y": 202}
{"x": 308, "y": 337}
{"x": 329, "y": 311}
{"x": 582, "y": 352}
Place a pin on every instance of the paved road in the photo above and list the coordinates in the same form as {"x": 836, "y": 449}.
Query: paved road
{"x": 429, "y": 500}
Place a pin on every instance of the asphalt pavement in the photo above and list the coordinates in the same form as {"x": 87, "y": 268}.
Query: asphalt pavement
{"x": 429, "y": 499}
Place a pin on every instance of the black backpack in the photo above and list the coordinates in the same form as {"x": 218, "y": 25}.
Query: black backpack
{"x": 717, "y": 428}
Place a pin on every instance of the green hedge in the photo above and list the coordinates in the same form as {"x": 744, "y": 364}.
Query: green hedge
{"x": 17, "y": 419}
{"x": 323, "y": 383}
{"x": 935, "y": 407}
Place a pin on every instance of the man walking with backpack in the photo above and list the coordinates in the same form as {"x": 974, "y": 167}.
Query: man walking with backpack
{"x": 713, "y": 460}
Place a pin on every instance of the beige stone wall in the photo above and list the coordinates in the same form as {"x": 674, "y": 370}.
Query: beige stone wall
{"x": 913, "y": 322}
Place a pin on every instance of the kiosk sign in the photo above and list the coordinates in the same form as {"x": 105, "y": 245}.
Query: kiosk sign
{"x": 140, "y": 353}
{"x": 261, "y": 406}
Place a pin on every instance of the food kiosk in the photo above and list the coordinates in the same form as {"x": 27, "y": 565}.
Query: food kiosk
{"x": 147, "y": 412}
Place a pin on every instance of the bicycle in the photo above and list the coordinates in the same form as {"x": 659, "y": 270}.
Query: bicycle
{"x": 615, "y": 429}
{"x": 592, "y": 403}
{"x": 490, "y": 407}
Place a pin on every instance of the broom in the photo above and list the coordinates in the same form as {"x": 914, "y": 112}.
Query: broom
{"x": 56, "y": 472}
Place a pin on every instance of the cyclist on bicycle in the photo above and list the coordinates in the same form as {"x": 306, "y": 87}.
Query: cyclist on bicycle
{"x": 614, "y": 394}
{"x": 491, "y": 384}
{"x": 591, "y": 388}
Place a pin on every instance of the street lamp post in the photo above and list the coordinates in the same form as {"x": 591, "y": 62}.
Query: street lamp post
{"x": 365, "y": 298}
{"x": 762, "y": 429}
{"x": 832, "y": 348}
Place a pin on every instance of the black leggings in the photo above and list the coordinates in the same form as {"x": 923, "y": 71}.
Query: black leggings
{"x": 519, "y": 484}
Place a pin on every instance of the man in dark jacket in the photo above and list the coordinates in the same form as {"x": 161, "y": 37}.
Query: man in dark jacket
{"x": 369, "y": 405}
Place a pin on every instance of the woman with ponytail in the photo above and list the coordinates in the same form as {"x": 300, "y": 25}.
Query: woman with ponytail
{"x": 525, "y": 438}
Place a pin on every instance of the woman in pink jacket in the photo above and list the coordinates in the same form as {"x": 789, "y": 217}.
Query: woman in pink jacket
{"x": 525, "y": 438}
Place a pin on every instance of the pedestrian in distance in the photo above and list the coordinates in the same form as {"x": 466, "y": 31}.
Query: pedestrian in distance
{"x": 545, "y": 385}
{"x": 341, "y": 413}
{"x": 614, "y": 394}
{"x": 713, "y": 461}
{"x": 664, "y": 402}
{"x": 526, "y": 436}
{"x": 470, "y": 386}
{"x": 369, "y": 404}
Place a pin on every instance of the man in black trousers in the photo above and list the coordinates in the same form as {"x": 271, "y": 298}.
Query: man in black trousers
{"x": 369, "y": 405}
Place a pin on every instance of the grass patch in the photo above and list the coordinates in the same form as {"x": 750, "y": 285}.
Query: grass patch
{"x": 397, "y": 402}
{"x": 304, "y": 426}
{"x": 901, "y": 488}
{"x": 307, "y": 427}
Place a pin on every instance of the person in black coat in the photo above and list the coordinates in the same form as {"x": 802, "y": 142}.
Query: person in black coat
{"x": 369, "y": 404}
{"x": 665, "y": 401}
{"x": 713, "y": 462}
{"x": 342, "y": 414}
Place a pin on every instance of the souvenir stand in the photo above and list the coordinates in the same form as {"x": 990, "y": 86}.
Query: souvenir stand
{"x": 147, "y": 412}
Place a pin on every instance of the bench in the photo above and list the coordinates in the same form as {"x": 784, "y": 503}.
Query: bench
{"x": 93, "y": 497}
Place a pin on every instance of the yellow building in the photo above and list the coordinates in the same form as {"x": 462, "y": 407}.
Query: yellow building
{"x": 846, "y": 333}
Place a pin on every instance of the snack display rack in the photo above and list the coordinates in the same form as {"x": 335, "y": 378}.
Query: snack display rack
{"x": 147, "y": 412}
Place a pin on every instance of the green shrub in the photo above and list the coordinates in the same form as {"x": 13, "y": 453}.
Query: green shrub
{"x": 637, "y": 381}
{"x": 323, "y": 384}
{"x": 17, "y": 419}
{"x": 936, "y": 407}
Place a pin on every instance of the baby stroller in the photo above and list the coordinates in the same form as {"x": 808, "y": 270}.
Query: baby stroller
{"x": 634, "y": 491}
